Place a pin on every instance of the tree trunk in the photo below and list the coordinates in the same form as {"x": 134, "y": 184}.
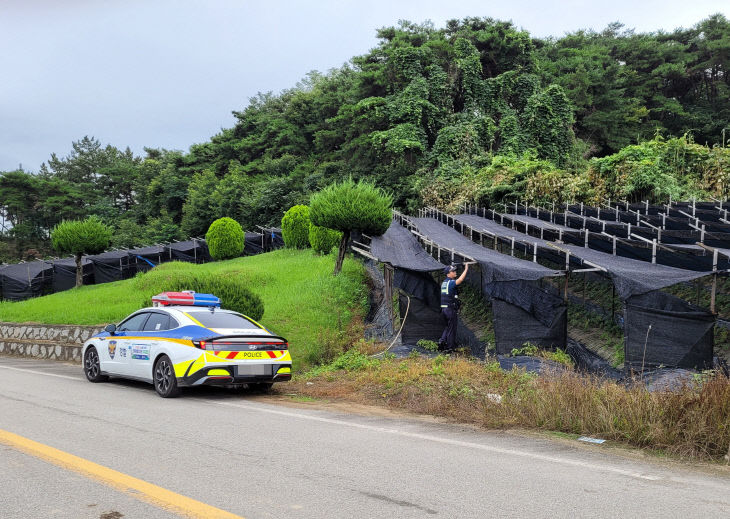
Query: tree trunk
{"x": 341, "y": 251}
{"x": 79, "y": 271}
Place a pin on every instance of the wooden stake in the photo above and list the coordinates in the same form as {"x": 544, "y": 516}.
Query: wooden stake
{"x": 613, "y": 303}
{"x": 714, "y": 281}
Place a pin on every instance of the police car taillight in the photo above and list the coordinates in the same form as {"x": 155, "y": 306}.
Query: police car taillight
{"x": 185, "y": 298}
{"x": 215, "y": 345}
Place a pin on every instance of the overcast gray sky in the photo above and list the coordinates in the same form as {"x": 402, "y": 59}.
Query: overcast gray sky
{"x": 168, "y": 73}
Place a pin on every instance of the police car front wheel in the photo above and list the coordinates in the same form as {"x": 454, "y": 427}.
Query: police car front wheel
{"x": 165, "y": 381}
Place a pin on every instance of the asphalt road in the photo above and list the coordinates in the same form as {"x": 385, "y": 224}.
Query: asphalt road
{"x": 253, "y": 458}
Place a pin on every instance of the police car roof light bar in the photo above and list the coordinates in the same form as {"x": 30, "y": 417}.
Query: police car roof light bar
{"x": 186, "y": 298}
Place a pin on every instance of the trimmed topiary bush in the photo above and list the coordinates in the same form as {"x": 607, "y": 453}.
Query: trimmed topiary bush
{"x": 234, "y": 295}
{"x": 225, "y": 239}
{"x": 295, "y": 227}
{"x": 79, "y": 237}
{"x": 323, "y": 239}
{"x": 175, "y": 277}
{"x": 351, "y": 206}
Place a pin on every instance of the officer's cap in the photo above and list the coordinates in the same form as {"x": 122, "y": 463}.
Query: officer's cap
{"x": 448, "y": 269}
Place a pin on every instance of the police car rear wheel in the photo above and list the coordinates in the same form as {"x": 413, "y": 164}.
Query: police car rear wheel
{"x": 165, "y": 381}
{"x": 92, "y": 367}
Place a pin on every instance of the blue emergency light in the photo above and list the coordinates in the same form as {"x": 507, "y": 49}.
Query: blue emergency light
{"x": 186, "y": 298}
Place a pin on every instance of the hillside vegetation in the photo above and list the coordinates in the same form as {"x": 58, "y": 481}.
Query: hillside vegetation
{"x": 317, "y": 312}
{"x": 475, "y": 111}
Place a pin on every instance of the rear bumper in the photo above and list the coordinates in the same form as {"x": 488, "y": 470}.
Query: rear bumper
{"x": 217, "y": 375}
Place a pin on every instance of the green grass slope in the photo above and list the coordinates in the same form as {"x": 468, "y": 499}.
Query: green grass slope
{"x": 303, "y": 301}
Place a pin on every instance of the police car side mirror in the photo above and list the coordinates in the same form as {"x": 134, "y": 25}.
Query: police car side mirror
{"x": 111, "y": 328}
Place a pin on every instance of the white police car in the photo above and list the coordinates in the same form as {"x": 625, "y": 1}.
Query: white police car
{"x": 185, "y": 339}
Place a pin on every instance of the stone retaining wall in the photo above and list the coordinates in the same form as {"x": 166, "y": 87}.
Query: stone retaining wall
{"x": 53, "y": 342}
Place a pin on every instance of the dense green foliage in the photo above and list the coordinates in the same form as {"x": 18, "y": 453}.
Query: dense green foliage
{"x": 349, "y": 206}
{"x": 233, "y": 291}
{"x": 323, "y": 240}
{"x": 295, "y": 227}
{"x": 225, "y": 239}
{"x": 314, "y": 310}
{"x": 352, "y": 206}
{"x": 477, "y": 110}
{"x": 89, "y": 236}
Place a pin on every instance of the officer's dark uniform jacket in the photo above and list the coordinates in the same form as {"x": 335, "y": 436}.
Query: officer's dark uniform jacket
{"x": 449, "y": 297}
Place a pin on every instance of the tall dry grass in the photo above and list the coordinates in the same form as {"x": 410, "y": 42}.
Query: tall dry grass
{"x": 690, "y": 422}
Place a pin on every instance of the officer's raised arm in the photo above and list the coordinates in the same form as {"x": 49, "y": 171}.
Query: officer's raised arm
{"x": 461, "y": 278}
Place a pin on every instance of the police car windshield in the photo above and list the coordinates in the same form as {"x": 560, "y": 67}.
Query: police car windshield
{"x": 222, "y": 320}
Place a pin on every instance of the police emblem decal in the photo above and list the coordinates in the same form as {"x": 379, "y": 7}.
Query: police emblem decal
{"x": 112, "y": 348}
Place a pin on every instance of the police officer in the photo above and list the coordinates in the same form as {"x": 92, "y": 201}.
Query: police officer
{"x": 450, "y": 305}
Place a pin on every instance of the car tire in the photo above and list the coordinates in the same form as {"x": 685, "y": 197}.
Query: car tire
{"x": 164, "y": 378}
{"x": 92, "y": 366}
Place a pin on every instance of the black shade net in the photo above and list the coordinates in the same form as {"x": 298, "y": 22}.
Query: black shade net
{"x": 633, "y": 277}
{"x": 523, "y": 313}
{"x": 588, "y": 362}
{"x": 630, "y": 276}
{"x": 146, "y": 258}
{"x": 664, "y": 331}
{"x": 399, "y": 247}
{"x": 24, "y": 280}
{"x": 668, "y": 230}
{"x": 253, "y": 244}
{"x": 112, "y": 266}
{"x": 64, "y": 273}
{"x": 190, "y": 251}
{"x": 273, "y": 239}
{"x": 636, "y": 282}
{"x": 31, "y": 279}
{"x": 515, "y": 328}
{"x": 420, "y": 297}
{"x": 495, "y": 265}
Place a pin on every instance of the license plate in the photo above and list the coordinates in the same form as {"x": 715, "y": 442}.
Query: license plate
{"x": 254, "y": 370}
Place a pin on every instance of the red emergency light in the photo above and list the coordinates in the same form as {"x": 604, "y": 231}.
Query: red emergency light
{"x": 185, "y": 298}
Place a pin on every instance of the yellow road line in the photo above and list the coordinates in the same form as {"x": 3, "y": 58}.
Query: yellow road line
{"x": 132, "y": 486}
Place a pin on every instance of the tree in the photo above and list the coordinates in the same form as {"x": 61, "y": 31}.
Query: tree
{"x": 351, "y": 206}
{"x": 79, "y": 237}
{"x": 198, "y": 211}
{"x": 19, "y": 198}
{"x": 225, "y": 239}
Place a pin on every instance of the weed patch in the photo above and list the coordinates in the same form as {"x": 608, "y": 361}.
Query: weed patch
{"x": 427, "y": 345}
{"x": 531, "y": 350}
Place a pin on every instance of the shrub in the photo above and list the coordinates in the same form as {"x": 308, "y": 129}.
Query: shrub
{"x": 323, "y": 239}
{"x": 351, "y": 206}
{"x": 175, "y": 276}
{"x": 225, "y": 239}
{"x": 295, "y": 227}
{"x": 80, "y": 237}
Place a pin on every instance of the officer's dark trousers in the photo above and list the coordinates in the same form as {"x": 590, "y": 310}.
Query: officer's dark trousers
{"x": 448, "y": 337}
